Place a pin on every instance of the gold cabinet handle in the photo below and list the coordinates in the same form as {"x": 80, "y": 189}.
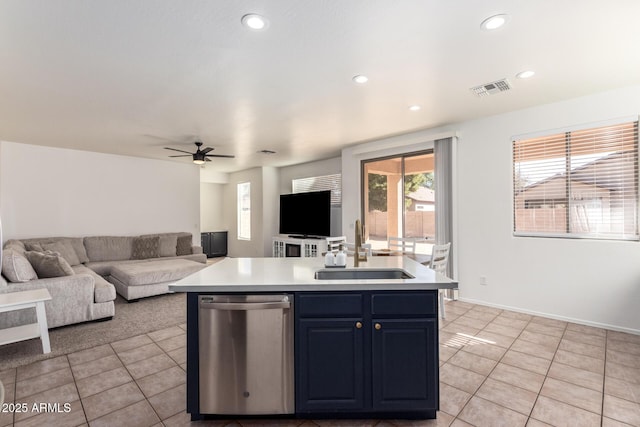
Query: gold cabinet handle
{"x": 378, "y": 326}
{"x": 358, "y": 325}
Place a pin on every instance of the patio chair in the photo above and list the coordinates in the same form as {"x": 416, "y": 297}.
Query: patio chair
{"x": 333, "y": 243}
{"x": 439, "y": 262}
{"x": 406, "y": 245}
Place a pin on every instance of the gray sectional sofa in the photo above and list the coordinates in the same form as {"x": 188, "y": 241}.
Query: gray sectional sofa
{"x": 83, "y": 274}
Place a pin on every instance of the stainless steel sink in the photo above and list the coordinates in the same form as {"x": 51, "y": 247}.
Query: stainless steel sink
{"x": 362, "y": 274}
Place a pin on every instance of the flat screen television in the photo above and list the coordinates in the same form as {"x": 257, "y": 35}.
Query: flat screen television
{"x": 306, "y": 214}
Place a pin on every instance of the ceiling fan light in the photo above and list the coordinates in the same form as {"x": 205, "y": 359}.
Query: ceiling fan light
{"x": 198, "y": 162}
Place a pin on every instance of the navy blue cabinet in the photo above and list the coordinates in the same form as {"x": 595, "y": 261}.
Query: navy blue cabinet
{"x": 332, "y": 370}
{"x": 367, "y": 353}
{"x": 404, "y": 355}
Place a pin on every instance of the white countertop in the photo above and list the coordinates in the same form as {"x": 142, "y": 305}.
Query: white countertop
{"x": 297, "y": 274}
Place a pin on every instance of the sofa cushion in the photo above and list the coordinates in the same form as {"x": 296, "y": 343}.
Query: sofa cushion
{"x": 49, "y": 264}
{"x": 168, "y": 243}
{"x": 108, "y": 248}
{"x": 103, "y": 268}
{"x": 65, "y": 249}
{"x": 78, "y": 246}
{"x": 16, "y": 267}
{"x": 151, "y": 272}
{"x": 145, "y": 247}
{"x": 183, "y": 246}
{"x": 16, "y": 244}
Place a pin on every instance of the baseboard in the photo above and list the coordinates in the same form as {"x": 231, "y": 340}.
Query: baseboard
{"x": 554, "y": 316}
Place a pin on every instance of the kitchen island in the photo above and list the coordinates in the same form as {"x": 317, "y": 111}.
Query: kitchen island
{"x": 363, "y": 341}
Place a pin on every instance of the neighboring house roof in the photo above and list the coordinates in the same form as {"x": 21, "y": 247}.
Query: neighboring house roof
{"x": 588, "y": 172}
{"x": 423, "y": 195}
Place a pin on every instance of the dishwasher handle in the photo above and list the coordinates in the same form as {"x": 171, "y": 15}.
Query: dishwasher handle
{"x": 231, "y": 306}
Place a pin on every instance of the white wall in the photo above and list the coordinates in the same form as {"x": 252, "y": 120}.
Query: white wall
{"x": 588, "y": 281}
{"x": 211, "y": 207}
{"x": 48, "y": 191}
{"x": 270, "y": 207}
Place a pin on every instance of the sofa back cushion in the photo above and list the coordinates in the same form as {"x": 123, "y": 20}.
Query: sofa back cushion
{"x": 76, "y": 243}
{"x": 108, "y": 248}
{"x": 64, "y": 248}
{"x": 49, "y": 264}
{"x": 16, "y": 267}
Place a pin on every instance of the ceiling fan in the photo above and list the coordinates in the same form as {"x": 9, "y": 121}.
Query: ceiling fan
{"x": 200, "y": 156}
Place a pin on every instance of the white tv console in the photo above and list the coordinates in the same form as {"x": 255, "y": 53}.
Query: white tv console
{"x": 285, "y": 246}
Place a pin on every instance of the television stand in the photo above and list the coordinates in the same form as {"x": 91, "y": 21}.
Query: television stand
{"x": 301, "y": 236}
{"x": 293, "y": 246}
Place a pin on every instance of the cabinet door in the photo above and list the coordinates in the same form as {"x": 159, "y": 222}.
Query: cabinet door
{"x": 219, "y": 243}
{"x": 405, "y": 364}
{"x": 330, "y": 365}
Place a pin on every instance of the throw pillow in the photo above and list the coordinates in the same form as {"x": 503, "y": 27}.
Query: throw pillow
{"x": 65, "y": 249}
{"x": 49, "y": 264}
{"x": 33, "y": 247}
{"x": 16, "y": 267}
{"x": 183, "y": 246}
{"x": 168, "y": 243}
{"x": 145, "y": 247}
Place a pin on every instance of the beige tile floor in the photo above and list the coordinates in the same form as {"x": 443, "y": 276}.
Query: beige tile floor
{"x": 497, "y": 368}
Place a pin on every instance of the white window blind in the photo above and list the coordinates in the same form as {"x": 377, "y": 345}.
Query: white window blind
{"x": 579, "y": 183}
{"x": 319, "y": 183}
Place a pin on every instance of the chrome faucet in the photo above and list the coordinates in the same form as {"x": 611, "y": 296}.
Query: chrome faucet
{"x": 358, "y": 249}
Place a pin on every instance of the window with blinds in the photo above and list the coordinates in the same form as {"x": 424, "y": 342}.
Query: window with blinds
{"x": 319, "y": 183}
{"x": 579, "y": 183}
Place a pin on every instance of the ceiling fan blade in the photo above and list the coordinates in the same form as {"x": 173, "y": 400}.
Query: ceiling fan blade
{"x": 173, "y": 149}
{"x": 182, "y": 155}
{"x": 220, "y": 155}
{"x": 206, "y": 150}
{"x": 207, "y": 160}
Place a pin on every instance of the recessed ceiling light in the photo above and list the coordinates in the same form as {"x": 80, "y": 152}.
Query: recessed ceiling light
{"x": 415, "y": 108}
{"x": 525, "y": 74}
{"x": 494, "y": 22}
{"x": 255, "y": 22}
{"x": 360, "y": 79}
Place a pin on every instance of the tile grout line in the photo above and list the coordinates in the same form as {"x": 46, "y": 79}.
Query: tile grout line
{"x": 75, "y": 384}
{"x": 604, "y": 376}
{"x": 134, "y": 381}
{"x": 487, "y": 376}
{"x": 546, "y": 375}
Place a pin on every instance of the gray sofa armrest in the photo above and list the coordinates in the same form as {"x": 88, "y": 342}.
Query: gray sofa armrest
{"x": 71, "y": 300}
{"x": 79, "y": 284}
{"x": 196, "y": 249}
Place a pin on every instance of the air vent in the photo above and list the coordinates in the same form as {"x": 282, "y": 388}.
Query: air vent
{"x": 491, "y": 88}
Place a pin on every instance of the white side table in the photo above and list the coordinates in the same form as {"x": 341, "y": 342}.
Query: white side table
{"x": 26, "y": 299}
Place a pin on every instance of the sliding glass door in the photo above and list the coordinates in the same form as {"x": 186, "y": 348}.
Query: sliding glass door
{"x": 399, "y": 199}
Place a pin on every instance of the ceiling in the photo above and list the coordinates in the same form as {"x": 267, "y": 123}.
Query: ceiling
{"x": 131, "y": 77}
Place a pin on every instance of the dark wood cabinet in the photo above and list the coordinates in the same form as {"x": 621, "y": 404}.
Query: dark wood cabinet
{"x": 214, "y": 244}
{"x": 367, "y": 352}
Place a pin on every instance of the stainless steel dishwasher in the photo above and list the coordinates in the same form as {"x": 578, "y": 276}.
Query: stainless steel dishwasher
{"x": 246, "y": 354}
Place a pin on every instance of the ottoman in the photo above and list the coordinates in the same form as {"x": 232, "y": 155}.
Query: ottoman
{"x": 143, "y": 279}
